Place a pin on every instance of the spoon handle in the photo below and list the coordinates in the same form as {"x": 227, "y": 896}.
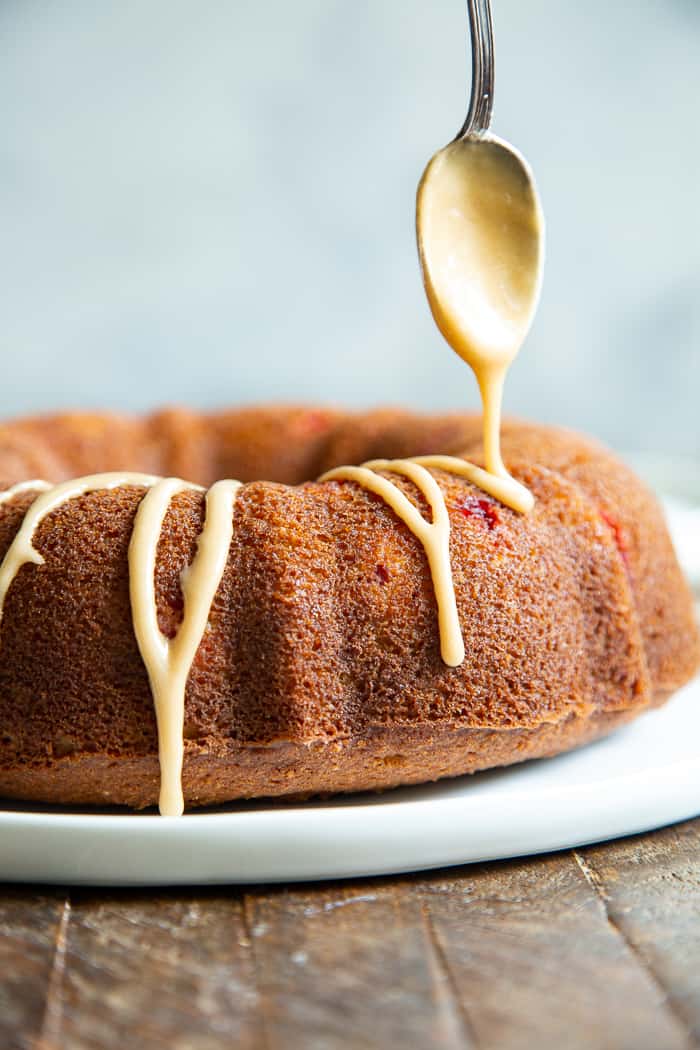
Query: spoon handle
{"x": 481, "y": 101}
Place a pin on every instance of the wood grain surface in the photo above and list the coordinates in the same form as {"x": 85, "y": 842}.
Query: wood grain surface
{"x": 597, "y": 947}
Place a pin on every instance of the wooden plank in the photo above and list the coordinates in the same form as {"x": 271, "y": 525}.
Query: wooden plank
{"x": 157, "y": 970}
{"x": 596, "y": 948}
{"x": 30, "y": 952}
{"x": 650, "y": 889}
{"x": 351, "y": 966}
{"x": 535, "y": 962}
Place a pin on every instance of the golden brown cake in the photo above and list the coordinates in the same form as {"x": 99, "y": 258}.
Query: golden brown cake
{"x": 320, "y": 668}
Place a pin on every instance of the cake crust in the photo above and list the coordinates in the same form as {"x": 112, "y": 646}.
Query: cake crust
{"x": 320, "y": 670}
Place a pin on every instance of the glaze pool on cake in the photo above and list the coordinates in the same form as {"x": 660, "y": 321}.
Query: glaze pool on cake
{"x": 320, "y": 667}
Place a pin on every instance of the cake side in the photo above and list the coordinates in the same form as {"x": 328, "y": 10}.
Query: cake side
{"x": 320, "y": 670}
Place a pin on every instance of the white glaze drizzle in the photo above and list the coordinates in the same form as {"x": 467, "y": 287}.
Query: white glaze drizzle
{"x": 435, "y": 535}
{"x": 22, "y": 550}
{"x": 169, "y": 660}
{"x": 505, "y": 489}
{"x": 24, "y": 486}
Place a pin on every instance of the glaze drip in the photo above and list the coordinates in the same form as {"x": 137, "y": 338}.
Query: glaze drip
{"x": 480, "y": 233}
{"x": 24, "y": 486}
{"x": 168, "y": 661}
{"x": 435, "y": 535}
{"x": 22, "y": 551}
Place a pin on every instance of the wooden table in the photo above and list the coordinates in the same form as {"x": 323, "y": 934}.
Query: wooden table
{"x": 592, "y": 948}
{"x": 597, "y": 947}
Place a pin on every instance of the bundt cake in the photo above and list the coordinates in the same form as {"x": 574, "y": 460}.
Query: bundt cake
{"x": 315, "y": 661}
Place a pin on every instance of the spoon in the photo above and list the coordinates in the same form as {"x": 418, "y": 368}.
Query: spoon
{"x": 480, "y": 233}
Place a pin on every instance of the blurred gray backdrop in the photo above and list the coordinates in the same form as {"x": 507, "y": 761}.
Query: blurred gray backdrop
{"x": 213, "y": 202}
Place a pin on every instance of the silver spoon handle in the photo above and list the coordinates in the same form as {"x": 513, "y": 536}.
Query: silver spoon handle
{"x": 481, "y": 101}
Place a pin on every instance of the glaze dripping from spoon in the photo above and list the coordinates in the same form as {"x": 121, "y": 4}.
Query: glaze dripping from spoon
{"x": 480, "y": 232}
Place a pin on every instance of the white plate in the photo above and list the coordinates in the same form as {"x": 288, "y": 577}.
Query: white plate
{"x": 642, "y": 777}
{"x": 684, "y": 522}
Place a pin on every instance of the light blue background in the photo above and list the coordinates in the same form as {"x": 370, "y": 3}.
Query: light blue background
{"x": 211, "y": 202}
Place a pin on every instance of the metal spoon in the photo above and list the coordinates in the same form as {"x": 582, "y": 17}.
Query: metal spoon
{"x": 480, "y": 236}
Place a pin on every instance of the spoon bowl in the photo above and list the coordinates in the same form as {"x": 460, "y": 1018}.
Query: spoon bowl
{"x": 480, "y": 239}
